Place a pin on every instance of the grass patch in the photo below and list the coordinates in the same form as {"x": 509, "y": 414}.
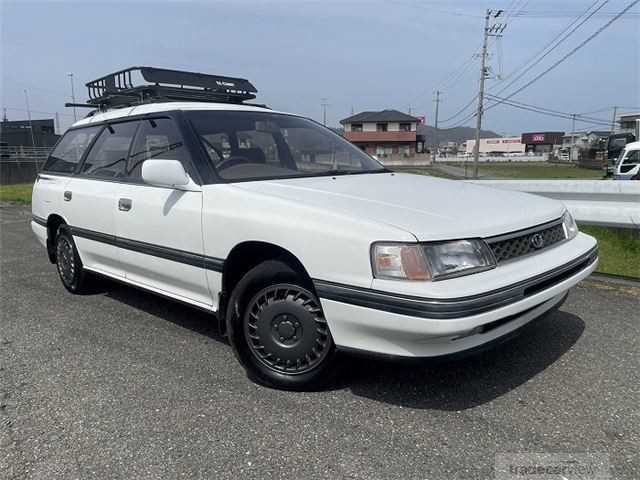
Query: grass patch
{"x": 429, "y": 171}
{"x": 19, "y": 193}
{"x": 536, "y": 171}
{"x": 619, "y": 250}
{"x": 513, "y": 170}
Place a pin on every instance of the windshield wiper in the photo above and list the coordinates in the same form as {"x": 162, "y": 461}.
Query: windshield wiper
{"x": 337, "y": 171}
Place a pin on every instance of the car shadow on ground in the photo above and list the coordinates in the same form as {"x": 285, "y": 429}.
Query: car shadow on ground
{"x": 449, "y": 385}
{"x": 471, "y": 381}
{"x": 172, "y": 311}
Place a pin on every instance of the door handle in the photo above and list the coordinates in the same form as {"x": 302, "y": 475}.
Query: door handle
{"x": 67, "y": 196}
{"x": 124, "y": 204}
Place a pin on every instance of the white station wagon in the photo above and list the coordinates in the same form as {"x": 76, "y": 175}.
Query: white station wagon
{"x": 299, "y": 243}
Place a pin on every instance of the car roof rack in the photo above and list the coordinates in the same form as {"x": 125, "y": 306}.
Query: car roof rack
{"x": 140, "y": 85}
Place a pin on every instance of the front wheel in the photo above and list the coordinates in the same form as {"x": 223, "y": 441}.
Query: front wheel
{"x": 277, "y": 329}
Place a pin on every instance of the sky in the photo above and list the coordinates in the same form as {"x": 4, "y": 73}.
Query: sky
{"x": 359, "y": 55}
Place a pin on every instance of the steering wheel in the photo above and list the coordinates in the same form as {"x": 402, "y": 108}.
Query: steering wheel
{"x": 232, "y": 161}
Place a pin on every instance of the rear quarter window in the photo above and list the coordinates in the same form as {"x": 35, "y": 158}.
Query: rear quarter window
{"x": 69, "y": 151}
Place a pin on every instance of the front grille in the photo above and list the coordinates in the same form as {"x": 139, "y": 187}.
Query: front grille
{"x": 507, "y": 247}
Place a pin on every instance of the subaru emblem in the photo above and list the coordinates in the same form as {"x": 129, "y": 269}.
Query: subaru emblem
{"x": 537, "y": 241}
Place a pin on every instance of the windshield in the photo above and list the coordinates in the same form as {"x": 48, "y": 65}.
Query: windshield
{"x": 263, "y": 145}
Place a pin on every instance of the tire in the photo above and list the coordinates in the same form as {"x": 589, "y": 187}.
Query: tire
{"x": 277, "y": 329}
{"x": 72, "y": 274}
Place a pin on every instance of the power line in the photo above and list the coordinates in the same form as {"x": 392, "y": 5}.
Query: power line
{"x": 570, "y": 53}
{"x": 560, "y": 14}
{"x": 551, "y": 42}
{"x": 537, "y": 109}
{"x": 554, "y": 113}
{"x": 583, "y": 115}
{"x": 453, "y": 79}
{"x": 604, "y": 109}
{"x": 513, "y": 11}
{"x": 551, "y": 46}
{"x": 457, "y": 114}
{"x": 456, "y": 13}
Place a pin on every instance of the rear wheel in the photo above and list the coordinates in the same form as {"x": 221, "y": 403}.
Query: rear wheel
{"x": 278, "y": 330}
{"x": 70, "y": 269}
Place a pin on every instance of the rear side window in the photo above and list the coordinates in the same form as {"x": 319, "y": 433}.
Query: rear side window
{"x": 69, "y": 151}
{"x": 632, "y": 158}
{"x": 108, "y": 156}
{"x": 159, "y": 139}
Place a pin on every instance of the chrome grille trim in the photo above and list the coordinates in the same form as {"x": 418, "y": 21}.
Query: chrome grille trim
{"x": 518, "y": 244}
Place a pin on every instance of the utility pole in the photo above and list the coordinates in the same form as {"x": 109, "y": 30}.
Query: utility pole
{"x": 613, "y": 120}
{"x": 57, "y": 123}
{"x": 573, "y": 136}
{"x": 4, "y": 115}
{"x": 494, "y": 31}
{"x": 73, "y": 96}
{"x": 324, "y": 104}
{"x": 26, "y": 102}
{"x": 437, "y": 143}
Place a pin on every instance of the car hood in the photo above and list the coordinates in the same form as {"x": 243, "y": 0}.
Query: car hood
{"x": 427, "y": 207}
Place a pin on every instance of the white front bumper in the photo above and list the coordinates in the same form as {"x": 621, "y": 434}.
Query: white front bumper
{"x": 381, "y": 331}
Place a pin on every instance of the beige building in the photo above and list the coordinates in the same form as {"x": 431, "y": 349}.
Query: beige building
{"x": 502, "y": 145}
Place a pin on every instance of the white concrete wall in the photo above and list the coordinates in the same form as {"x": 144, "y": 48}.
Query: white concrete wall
{"x": 491, "y": 159}
{"x": 504, "y": 145}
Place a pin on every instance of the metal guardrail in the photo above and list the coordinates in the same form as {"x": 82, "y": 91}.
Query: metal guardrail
{"x": 608, "y": 203}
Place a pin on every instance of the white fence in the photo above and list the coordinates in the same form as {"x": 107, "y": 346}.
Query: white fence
{"x": 24, "y": 153}
{"x": 495, "y": 159}
{"x": 610, "y": 203}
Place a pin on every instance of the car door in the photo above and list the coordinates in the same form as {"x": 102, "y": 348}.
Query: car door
{"x": 48, "y": 194}
{"x": 160, "y": 228}
{"x": 90, "y": 198}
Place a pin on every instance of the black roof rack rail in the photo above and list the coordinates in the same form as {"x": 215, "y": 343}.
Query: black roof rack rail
{"x": 123, "y": 88}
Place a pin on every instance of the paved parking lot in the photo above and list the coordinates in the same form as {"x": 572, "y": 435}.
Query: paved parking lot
{"x": 122, "y": 384}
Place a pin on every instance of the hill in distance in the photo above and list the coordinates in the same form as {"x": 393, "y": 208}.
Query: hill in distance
{"x": 457, "y": 134}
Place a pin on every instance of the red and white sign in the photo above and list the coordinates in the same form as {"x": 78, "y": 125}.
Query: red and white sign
{"x": 538, "y": 138}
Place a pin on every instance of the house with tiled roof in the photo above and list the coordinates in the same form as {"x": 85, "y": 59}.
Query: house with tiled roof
{"x": 384, "y": 133}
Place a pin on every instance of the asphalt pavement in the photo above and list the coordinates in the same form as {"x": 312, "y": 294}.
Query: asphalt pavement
{"x": 121, "y": 384}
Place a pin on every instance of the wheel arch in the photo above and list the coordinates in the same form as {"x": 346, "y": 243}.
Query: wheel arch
{"x": 246, "y": 255}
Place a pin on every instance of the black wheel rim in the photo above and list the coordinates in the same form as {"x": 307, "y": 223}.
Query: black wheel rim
{"x": 286, "y": 330}
{"x": 66, "y": 261}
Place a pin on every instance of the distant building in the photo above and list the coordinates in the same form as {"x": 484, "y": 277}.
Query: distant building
{"x": 582, "y": 146}
{"x": 497, "y": 146}
{"x": 541, "y": 142}
{"x": 384, "y": 133}
{"x": 16, "y": 133}
{"x": 627, "y": 123}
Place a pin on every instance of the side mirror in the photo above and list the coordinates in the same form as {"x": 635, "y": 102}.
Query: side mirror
{"x": 167, "y": 173}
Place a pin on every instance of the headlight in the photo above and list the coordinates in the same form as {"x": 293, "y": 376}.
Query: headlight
{"x": 569, "y": 225}
{"x": 430, "y": 261}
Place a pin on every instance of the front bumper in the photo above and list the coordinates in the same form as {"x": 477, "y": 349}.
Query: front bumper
{"x": 410, "y": 326}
